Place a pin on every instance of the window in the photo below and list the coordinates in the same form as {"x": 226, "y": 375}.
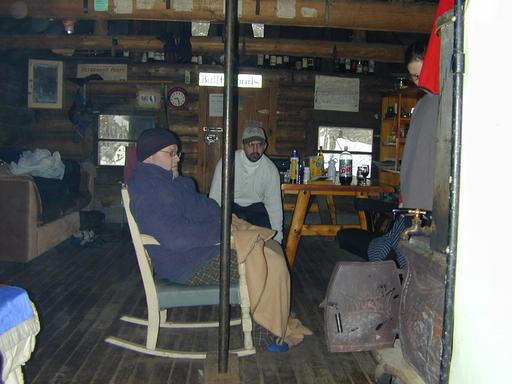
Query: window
{"x": 116, "y": 132}
{"x": 358, "y": 140}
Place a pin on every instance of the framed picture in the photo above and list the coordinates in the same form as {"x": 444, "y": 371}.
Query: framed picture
{"x": 45, "y": 79}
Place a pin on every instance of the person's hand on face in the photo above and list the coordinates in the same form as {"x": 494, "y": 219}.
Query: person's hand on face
{"x": 254, "y": 150}
{"x": 175, "y": 160}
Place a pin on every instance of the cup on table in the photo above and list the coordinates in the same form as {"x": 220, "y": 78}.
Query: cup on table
{"x": 362, "y": 172}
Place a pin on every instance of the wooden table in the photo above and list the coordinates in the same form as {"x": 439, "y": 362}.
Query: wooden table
{"x": 304, "y": 193}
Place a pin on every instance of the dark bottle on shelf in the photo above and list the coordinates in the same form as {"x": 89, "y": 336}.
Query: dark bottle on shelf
{"x": 348, "y": 65}
{"x": 304, "y": 63}
{"x": 311, "y": 63}
{"x": 260, "y": 60}
{"x": 286, "y": 61}
{"x": 353, "y": 66}
{"x": 273, "y": 61}
{"x": 365, "y": 67}
{"x": 359, "y": 67}
{"x": 371, "y": 66}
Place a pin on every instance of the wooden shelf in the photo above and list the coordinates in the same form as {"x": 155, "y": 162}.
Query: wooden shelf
{"x": 392, "y": 127}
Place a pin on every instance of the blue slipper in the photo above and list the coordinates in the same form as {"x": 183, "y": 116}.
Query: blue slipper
{"x": 274, "y": 347}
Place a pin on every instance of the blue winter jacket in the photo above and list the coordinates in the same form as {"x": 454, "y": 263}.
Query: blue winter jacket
{"x": 185, "y": 222}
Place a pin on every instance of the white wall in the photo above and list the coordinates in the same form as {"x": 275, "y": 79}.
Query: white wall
{"x": 483, "y": 317}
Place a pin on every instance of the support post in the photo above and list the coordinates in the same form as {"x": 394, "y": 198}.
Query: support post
{"x": 230, "y": 114}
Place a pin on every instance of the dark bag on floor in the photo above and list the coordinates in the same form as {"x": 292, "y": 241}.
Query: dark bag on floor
{"x": 92, "y": 221}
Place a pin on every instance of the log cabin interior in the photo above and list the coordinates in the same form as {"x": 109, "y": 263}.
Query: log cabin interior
{"x": 84, "y": 78}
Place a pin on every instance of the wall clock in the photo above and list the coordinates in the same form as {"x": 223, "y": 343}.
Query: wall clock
{"x": 177, "y": 98}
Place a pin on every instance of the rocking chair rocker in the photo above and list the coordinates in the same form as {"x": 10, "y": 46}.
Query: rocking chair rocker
{"x": 163, "y": 295}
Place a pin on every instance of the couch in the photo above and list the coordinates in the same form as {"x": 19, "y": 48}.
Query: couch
{"x": 37, "y": 213}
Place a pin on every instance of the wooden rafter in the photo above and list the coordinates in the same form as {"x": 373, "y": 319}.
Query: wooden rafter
{"x": 211, "y": 45}
{"x": 349, "y": 14}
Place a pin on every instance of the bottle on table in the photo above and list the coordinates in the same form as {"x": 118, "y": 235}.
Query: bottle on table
{"x": 320, "y": 161}
{"x": 331, "y": 170}
{"x": 294, "y": 167}
{"x": 307, "y": 175}
{"x": 300, "y": 176}
{"x": 345, "y": 167}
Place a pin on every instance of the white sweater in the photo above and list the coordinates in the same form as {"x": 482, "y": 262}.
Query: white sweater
{"x": 257, "y": 182}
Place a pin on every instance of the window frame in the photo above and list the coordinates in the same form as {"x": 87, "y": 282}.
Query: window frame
{"x": 129, "y": 141}
{"x": 328, "y": 152}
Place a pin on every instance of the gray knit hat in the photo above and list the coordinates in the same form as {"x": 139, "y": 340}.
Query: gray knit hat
{"x": 153, "y": 140}
{"x": 253, "y": 132}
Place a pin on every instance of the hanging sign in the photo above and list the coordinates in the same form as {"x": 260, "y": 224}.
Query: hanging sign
{"x": 148, "y": 98}
{"x": 245, "y": 80}
{"x": 115, "y": 72}
{"x": 215, "y": 104}
{"x": 336, "y": 93}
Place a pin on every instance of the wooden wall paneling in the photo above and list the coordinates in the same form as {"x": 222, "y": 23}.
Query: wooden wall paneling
{"x": 185, "y": 125}
{"x": 272, "y": 121}
{"x": 61, "y": 143}
{"x": 15, "y": 118}
{"x": 201, "y": 158}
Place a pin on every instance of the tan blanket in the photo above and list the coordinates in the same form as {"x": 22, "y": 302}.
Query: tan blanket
{"x": 268, "y": 280}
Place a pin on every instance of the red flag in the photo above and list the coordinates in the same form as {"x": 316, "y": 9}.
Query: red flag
{"x": 430, "y": 72}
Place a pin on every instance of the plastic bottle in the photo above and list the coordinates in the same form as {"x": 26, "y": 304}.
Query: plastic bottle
{"x": 300, "y": 176}
{"x": 307, "y": 175}
{"x": 345, "y": 167}
{"x": 320, "y": 161}
{"x": 294, "y": 167}
{"x": 331, "y": 170}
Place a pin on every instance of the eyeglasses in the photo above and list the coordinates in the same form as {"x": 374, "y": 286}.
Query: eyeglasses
{"x": 172, "y": 153}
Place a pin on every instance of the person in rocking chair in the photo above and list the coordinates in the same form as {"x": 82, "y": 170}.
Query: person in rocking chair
{"x": 186, "y": 223}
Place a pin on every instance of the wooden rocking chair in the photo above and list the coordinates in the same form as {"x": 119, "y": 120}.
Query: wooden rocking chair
{"x": 163, "y": 295}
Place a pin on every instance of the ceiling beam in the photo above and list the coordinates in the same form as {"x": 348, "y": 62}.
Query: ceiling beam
{"x": 311, "y": 48}
{"x": 100, "y": 42}
{"x": 211, "y": 45}
{"x": 349, "y": 14}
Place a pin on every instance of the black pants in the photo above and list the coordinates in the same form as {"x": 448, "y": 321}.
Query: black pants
{"x": 255, "y": 214}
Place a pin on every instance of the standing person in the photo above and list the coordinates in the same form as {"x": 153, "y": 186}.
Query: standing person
{"x": 418, "y": 162}
{"x": 257, "y": 197}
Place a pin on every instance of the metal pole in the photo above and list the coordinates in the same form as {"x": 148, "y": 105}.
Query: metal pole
{"x": 230, "y": 114}
{"x": 458, "y": 70}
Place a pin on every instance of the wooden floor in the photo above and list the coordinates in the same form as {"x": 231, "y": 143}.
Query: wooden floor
{"x": 80, "y": 293}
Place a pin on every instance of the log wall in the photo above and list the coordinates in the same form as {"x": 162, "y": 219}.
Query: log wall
{"x": 295, "y": 122}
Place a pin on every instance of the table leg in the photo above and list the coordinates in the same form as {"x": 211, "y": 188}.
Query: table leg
{"x": 332, "y": 208}
{"x": 363, "y": 223}
{"x": 324, "y": 209}
{"x": 299, "y": 214}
